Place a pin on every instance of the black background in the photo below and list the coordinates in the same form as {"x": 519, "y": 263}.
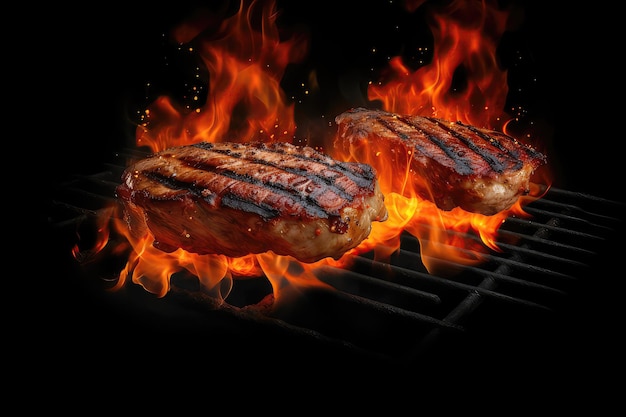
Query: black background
{"x": 91, "y": 69}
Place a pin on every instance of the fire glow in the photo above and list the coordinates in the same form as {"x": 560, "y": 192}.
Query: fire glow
{"x": 246, "y": 58}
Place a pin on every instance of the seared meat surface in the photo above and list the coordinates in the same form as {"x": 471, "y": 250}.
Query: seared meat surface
{"x": 237, "y": 199}
{"x": 452, "y": 163}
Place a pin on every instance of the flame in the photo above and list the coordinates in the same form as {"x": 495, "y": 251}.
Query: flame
{"x": 153, "y": 268}
{"x": 245, "y": 67}
{"x": 466, "y": 35}
{"x": 245, "y": 59}
{"x": 102, "y": 233}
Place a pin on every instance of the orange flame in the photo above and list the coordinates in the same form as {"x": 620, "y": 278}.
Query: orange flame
{"x": 246, "y": 58}
{"x": 244, "y": 67}
{"x": 153, "y": 269}
{"x": 466, "y": 35}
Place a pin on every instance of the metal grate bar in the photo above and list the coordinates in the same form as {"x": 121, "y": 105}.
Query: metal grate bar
{"x": 570, "y": 217}
{"x": 341, "y": 279}
{"x": 394, "y": 311}
{"x": 536, "y": 239}
{"x": 540, "y": 254}
{"x": 485, "y": 291}
{"x": 555, "y": 228}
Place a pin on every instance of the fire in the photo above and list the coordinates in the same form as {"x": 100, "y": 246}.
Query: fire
{"x": 245, "y": 58}
{"x": 466, "y": 35}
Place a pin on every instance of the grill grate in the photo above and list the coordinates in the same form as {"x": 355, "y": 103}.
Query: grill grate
{"x": 392, "y": 310}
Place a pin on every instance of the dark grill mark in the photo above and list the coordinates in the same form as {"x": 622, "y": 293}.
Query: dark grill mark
{"x": 363, "y": 181}
{"x": 363, "y": 178}
{"x": 463, "y": 165}
{"x": 402, "y": 136}
{"x": 494, "y": 163}
{"x": 264, "y": 210}
{"x": 308, "y": 202}
{"x": 207, "y": 146}
{"x": 495, "y": 142}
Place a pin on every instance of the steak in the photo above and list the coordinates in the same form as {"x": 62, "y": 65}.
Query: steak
{"x": 452, "y": 164}
{"x": 236, "y": 199}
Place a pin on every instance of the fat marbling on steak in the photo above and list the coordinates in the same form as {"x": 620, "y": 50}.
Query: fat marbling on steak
{"x": 236, "y": 199}
{"x": 453, "y": 163}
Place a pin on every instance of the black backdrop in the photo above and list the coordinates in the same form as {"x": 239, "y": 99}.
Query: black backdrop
{"x": 96, "y": 66}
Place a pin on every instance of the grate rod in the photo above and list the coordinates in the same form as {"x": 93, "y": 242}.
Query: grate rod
{"x": 480, "y": 289}
{"x": 583, "y": 196}
{"x": 544, "y": 255}
{"x": 575, "y": 219}
{"x": 475, "y": 298}
{"x": 422, "y": 296}
{"x": 504, "y": 278}
{"x": 535, "y": 239}
{"x": 554, "y": 228}
{"x": 505, "y": 261}
{"x": 397, "y": 311}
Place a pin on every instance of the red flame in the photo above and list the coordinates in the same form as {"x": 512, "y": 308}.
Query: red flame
{"x": 246, "y": 58}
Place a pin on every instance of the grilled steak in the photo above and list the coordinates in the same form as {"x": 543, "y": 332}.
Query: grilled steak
{"x": 237, "y": 199}
{"x": 452, "y": 164}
